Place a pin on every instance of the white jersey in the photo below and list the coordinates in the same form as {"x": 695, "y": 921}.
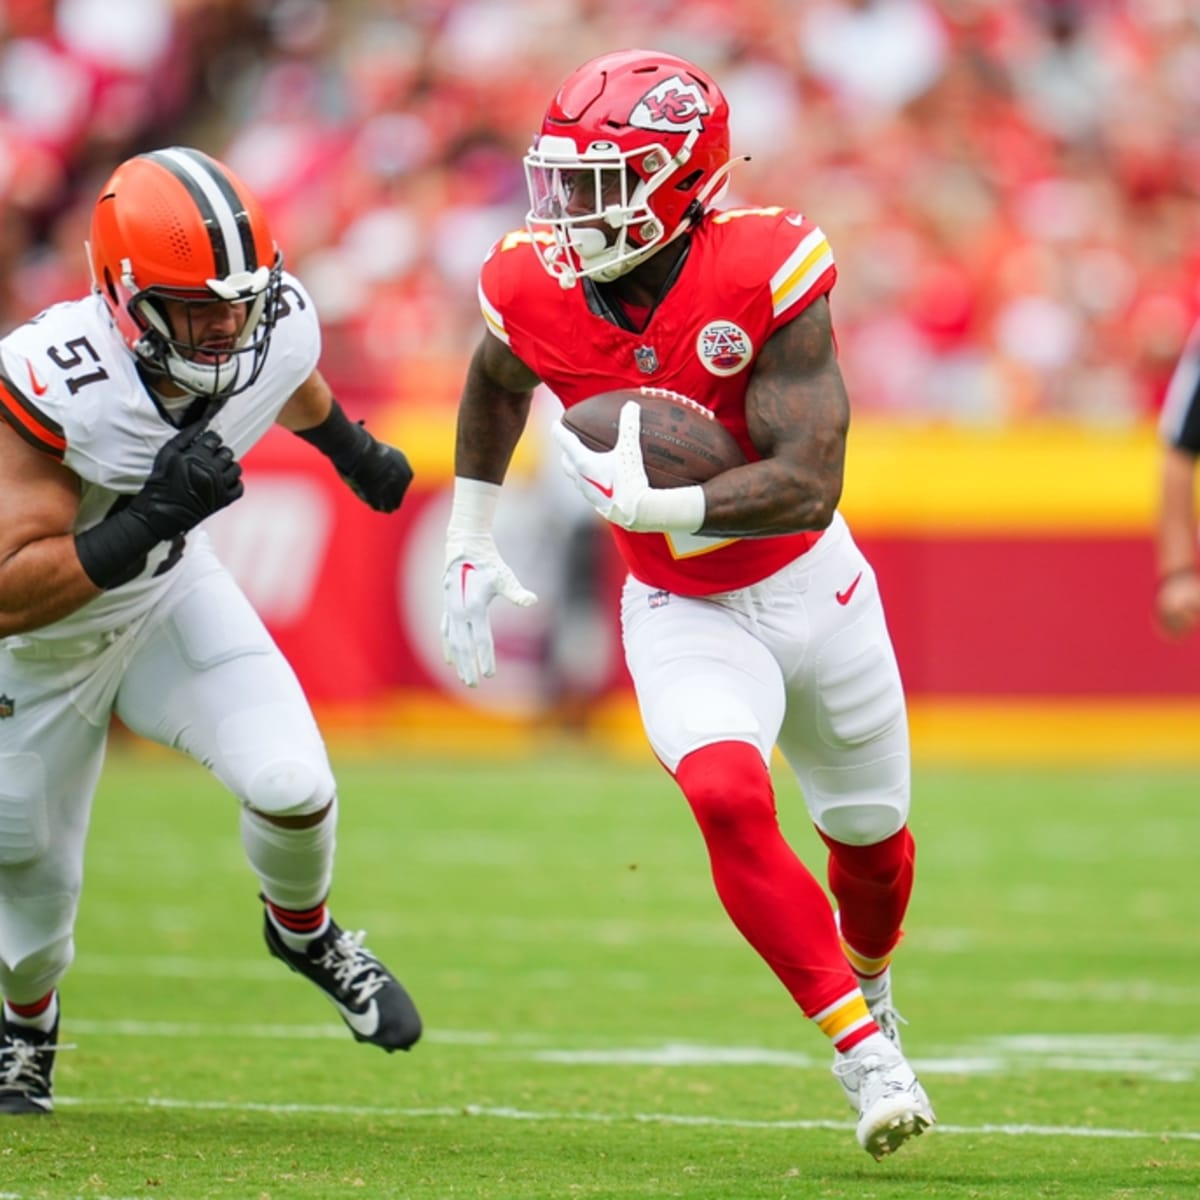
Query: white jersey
{"x": 70, "y": 387}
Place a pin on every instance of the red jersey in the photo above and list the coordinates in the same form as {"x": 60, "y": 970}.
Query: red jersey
{"x": 748, "y": 272}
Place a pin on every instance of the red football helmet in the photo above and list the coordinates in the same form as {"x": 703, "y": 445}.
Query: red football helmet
{"x": 632, "y": 149}
{"x": 175, "y": 224}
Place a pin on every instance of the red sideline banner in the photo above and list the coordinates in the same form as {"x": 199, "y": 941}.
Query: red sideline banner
{"x": 353, "y": 598}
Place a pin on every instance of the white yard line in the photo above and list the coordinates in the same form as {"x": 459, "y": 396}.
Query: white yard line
{"x": 600, "y": 1118}
{"x": 1166, "y": 1059}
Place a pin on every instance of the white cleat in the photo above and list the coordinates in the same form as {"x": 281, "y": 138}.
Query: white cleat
{"x": 887, "y": 1016}
{"x": 891, "y": 1104}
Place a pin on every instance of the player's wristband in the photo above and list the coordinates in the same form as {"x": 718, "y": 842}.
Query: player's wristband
{"x": 473, "y": 509}
{"x": 671, "y": 510}
{"x": 114, "y": 551}
{"x": 341, "y": 440}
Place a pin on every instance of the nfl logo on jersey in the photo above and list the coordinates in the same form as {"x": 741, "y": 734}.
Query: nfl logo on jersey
{"x": 646, "y": 359}
{"x": 7, "y": 706}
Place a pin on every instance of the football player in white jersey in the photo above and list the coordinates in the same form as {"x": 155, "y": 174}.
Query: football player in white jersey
{"x": 122, "y": 419}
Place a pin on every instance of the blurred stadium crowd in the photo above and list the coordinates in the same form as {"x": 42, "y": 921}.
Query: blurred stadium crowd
{"x": 1011, "y": 187}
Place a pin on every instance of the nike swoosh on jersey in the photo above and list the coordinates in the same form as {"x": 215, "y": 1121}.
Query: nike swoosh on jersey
{"x": 606, "y": 492}
{"x": 39, "y": 388}
{"x": 843, "y": 598}
{"x": 365, "y": 1024}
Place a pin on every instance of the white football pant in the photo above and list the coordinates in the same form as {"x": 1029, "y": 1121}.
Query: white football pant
{"x": 199, "y": 673}
{"x": 802, "y": 660}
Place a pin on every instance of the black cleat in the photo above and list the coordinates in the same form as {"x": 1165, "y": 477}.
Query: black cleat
{"x": 368, "y": 997}
{"x": 26, "y": 1068}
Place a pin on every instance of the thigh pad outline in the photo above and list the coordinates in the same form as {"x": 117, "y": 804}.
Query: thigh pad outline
{"x": 24, "y": 822}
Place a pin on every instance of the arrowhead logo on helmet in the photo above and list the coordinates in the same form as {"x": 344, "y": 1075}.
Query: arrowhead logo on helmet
{"x": 672, "y": 107}
{"x": 633, "y": 149}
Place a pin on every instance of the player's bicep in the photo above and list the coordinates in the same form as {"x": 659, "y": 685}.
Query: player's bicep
{"x": 496, "y": 364}
{"x": 796, "y": 404}
{"x": 493, "y": 411}
{"x": 41, "y": 496}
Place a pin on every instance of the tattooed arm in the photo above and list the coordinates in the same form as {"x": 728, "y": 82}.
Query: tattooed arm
{"x": 798, "y": 417}
{"x": 492, "y": 412}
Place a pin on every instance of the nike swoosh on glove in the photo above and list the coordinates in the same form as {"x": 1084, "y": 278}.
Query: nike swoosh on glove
{"x": 614, "y": 481}
{"x": 475, "y": 575}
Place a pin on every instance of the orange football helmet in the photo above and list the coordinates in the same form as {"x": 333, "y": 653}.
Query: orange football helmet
{"x": 175, "y": 224}
{"x": 632, "y": 150}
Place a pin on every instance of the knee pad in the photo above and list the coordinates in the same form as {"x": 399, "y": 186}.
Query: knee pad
{"x": 861, "y": 804}
{"x": 24, "y": 825}
{"x": 289, "y": 787}
{"x": 273, "y": 758}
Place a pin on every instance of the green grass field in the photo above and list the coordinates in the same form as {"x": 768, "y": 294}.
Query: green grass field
{"x": 595, "y": 1027}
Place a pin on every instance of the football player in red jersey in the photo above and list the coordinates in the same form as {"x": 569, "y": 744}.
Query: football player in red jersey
{"x": 750, "y": 618}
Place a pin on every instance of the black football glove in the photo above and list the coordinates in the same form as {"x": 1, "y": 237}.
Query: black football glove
{"x": 380, "y": 477}
{"x": 377, "y": 473}
{"x": 194, "y": 475}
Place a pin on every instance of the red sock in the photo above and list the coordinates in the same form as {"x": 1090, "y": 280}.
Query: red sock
{"x": 30, "y": 1012}
{"x": 769, "y": 894}
{"x": 300, "y": 921}
{"x": 872, "y": 885}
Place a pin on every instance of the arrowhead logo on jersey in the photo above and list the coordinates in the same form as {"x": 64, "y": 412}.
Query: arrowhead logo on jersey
{"x": 672, "y": 106}
{"x": 723, "y": 347}
{"x": 8, "y": 706}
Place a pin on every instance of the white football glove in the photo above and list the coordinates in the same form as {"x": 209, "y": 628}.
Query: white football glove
{"x": 614, "y": 481}
{"x": 474, "y": 576}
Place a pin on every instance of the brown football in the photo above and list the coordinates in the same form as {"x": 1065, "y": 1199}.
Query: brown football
{"x": 682, "y": 442}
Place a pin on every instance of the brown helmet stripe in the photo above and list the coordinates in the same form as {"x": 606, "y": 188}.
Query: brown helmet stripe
{"x": 221, "y": 209}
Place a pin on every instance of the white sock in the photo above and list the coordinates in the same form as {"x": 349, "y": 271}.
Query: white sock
{"x": 877, "y": 987}
{"x": 294, "y": 866}
{"x": 43, "y": 1023}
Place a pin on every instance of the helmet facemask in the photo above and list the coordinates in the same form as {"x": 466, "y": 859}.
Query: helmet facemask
{"x": 619, "y": 186}
{"x": 176, "y": 355}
